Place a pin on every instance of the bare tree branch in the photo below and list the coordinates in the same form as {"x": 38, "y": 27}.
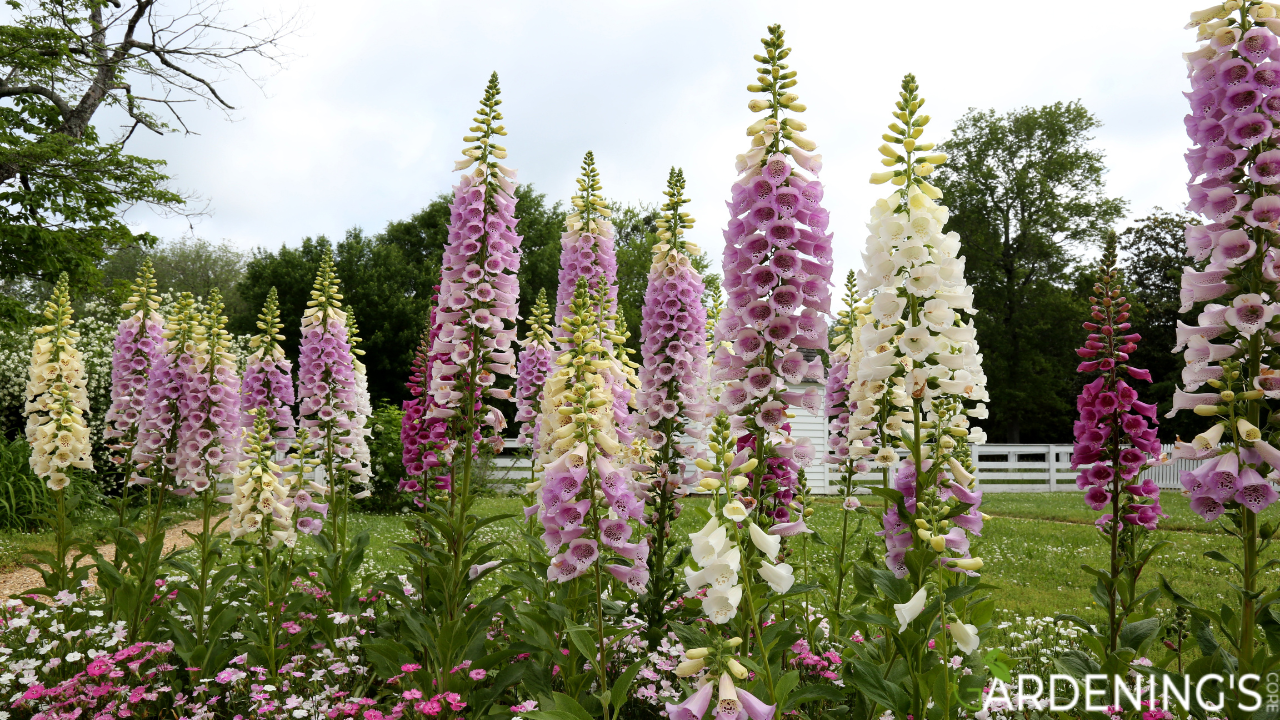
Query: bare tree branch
{"x": 184, "y": 49}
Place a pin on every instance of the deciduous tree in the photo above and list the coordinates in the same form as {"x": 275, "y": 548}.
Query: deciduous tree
{"x": 1026, "y": 192}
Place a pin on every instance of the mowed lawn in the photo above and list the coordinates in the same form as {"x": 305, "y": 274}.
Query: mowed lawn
{"x": 1032, "y": 547}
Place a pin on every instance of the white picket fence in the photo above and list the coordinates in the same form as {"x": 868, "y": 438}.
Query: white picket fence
{"x": 1001, "y": 468}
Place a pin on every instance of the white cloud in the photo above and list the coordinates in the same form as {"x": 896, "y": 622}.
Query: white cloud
{"x": 364, "y": 124}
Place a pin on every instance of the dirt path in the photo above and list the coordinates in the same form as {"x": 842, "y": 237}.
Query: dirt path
{"x": 16, "y": 581}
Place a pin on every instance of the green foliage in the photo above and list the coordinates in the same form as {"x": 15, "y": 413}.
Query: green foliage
{"x": 1024, "y": 189}
{"x": 61, "y": 197}
{"x": 195, "y": 265}
{"x": 24, "y": 499}
{"x": 386, "y": 454}
{"x": 23, "y": 496}
{"x": 63, "y": 187}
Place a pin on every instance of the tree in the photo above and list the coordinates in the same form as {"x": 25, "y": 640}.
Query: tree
{"x": 1155, "y": 250}
{"x": 62, "y": 184}
{"x": 291, "y": 271}
{"x": 194, "y": 265}
{"x": 1024, "y": 188}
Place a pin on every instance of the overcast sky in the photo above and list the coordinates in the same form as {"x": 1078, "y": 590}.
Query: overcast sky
{"x": 362, "y": 126}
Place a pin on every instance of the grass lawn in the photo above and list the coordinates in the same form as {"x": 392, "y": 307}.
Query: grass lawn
{"x": 1033, "y": 548}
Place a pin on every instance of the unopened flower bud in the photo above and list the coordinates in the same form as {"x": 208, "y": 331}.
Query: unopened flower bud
{"x": 690, "y": 667}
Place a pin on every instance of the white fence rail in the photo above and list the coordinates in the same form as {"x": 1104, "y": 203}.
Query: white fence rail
{"x": 1001, "y": 468}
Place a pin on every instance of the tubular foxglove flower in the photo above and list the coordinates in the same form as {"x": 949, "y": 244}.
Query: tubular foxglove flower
{"x": 673, "y": 379}
{"x": 475, "y": 321}
{"x": 588, "y": 254}
{"x": 911, "y": 609}
{"x": 424, "y": 431}
{"x": 851, "y": 404}
{"x": 777, "y": 274}
{"x": 327, "y": 409}
{"x": 533, "y": 368}
{"x": 56, "y": 402}
{"x": 268, "y": 377}
{"x": 1116, "y": 434}
{"x": 1231, "y": 281}
{"x": 587, "y": 496}
{"x": 918, "y": 344}
{"x": 360, "y": 430}
{"x": 156, "y": 452}
{"x": 139, "y": 345}
{"x": 260, "y": 500}
{"x": 920, "y": 382}
{"x": 208, "y": 443}
{"x": 965, "y": 635}
{"x": 1226, "y": 253}
{"x": 673, "y": 375}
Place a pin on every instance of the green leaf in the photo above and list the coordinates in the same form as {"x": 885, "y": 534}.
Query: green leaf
{"x": 812, "y": 692}
{"x": 550, "y": 715}
{"x": 584, "y": 642}
{"x": 564, "y": 703}
{"x": 1136, "y": 634}
{"x": 998, "y": 664}
{"x": 785, "y": 684}
{"x": 1076, "y": 664}
{"x": 1215, "y": 555}
{"x": 870, "y": 680}
{"x": 689, "y": 637}
{"x": 618, "y": 696}
{"x": 980, "y": 612}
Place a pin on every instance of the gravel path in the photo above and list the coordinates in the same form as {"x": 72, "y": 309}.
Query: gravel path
{"x": 16, "y": 581}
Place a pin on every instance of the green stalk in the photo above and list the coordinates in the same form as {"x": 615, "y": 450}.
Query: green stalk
{"x": 844, "y": 541}
{"x": 1249, "y": 531}
{"x": 755, "y": 620}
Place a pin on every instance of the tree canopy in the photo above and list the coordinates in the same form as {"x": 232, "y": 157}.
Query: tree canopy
{"x": 63, "y": 183}
{"x": 1027, "y": 196}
